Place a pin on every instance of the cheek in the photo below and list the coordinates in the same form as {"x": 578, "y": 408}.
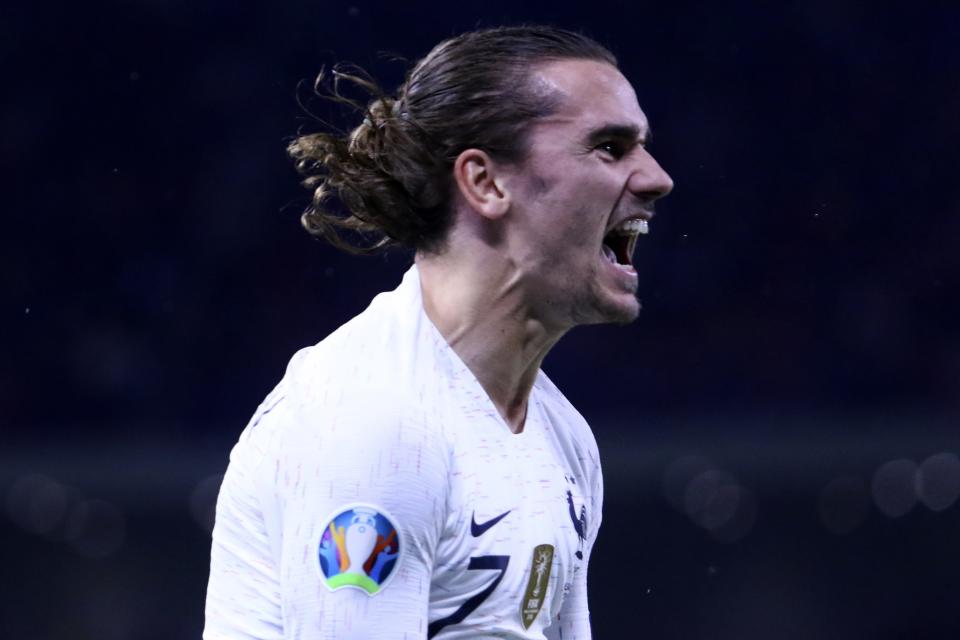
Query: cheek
{"x": 570, "y": 245}
{"x": 585, "y": 225}
{"x": 569, "y": 214}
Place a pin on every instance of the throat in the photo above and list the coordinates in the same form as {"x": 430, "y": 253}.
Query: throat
{"x": 515, "y": 417}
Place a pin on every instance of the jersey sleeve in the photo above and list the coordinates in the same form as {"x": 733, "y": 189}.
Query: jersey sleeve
{"x": 243, "y": 593}
{"x": 573, "y": 621}
{"x": 328, "y": 522}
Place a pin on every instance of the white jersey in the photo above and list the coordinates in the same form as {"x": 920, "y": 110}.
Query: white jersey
{"x": 377, "y": 493}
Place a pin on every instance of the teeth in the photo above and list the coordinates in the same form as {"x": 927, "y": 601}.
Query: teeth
{"x": 632, "y": 226}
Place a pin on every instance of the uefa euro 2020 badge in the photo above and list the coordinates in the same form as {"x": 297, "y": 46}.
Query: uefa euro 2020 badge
{"x": 360, "y": 548}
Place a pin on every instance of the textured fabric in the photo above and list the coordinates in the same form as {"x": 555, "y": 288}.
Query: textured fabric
{"x": 384, "y": 414}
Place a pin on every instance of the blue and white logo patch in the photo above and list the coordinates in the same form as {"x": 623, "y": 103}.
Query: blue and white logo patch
{"x": 360, "y": 548}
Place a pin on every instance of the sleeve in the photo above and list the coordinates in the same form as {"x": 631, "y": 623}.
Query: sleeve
{"x": 333, "y": 534}
{"x": 243, "y": 593}
{"x": 573, "y": 621}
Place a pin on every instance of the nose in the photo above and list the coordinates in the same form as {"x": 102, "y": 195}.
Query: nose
{"x": 649, "y": 181}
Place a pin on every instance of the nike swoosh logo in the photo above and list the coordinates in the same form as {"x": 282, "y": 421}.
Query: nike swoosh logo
{"x": 479, "y": 529}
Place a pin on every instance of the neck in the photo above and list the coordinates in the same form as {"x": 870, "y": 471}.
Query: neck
{"x": 480, "y": 308}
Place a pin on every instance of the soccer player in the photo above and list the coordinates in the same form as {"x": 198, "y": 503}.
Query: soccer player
{"x": 415, "y": 474}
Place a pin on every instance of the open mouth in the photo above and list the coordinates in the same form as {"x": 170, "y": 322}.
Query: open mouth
{"x": 620, "y": 241}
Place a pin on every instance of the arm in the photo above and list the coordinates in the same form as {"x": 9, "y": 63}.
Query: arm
{"x": 573, "y": 621}
{"x": 243, "y": 595}
{"x": 314, "y": 467}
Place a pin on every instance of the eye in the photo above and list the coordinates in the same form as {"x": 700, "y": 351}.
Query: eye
{"x": 612, "y": 148}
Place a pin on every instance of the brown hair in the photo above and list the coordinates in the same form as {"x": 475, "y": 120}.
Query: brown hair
{"x": 393, "y": 171}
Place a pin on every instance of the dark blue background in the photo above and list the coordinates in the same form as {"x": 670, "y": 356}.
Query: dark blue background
{"x": 799, "y": 287}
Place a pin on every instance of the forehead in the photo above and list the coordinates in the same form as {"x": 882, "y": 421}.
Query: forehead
{"x": 591, "y": 94}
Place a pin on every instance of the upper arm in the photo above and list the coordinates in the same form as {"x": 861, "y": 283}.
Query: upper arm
{"x": 356, "y": 460}
{"x": 243, "y": 593}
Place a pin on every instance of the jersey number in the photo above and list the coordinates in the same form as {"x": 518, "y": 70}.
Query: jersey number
{"x": 498, "y": 563}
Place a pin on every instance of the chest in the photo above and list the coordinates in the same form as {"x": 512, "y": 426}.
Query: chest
{"x": 517, "y": 521}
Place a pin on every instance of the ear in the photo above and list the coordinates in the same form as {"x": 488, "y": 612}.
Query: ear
{"x": 480, "y": 185}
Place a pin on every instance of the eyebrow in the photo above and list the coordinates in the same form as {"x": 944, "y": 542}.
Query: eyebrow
{"x": 625, "y": 132}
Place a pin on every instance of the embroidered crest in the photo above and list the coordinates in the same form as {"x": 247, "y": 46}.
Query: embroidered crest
{"x": 359, "y": 548}
{"x": 579, "y": 519}
{"x": 536, "y": 591}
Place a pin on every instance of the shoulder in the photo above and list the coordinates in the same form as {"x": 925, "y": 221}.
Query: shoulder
{"x": 356, "y": 389}
{"x": 344, "y": 413}
{"x": 373, "y": 353}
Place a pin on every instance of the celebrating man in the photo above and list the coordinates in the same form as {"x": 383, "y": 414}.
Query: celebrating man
{"x": 415, "y": 474}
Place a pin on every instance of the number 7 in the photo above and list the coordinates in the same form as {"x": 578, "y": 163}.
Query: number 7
{"x": 498, "y": 563}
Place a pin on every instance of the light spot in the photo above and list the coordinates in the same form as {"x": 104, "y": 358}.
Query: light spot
{"x": 938, "y": 481}
{"x": 711, "y": 499}
{"x": 678, "y": 475}
{"x": 893, "y": 488}
{"x": 37, "y": 504}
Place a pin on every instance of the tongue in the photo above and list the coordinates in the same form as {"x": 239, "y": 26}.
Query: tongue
{"x": 608, "y": 252}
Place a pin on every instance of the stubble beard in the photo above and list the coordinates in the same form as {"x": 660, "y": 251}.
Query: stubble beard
{"x": 596, "y": 306}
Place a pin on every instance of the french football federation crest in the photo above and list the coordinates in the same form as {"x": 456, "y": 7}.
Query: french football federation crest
{"x": 536, "y": 591}
{"x": 359, "y": 548}
{"x": 579, "y": 519}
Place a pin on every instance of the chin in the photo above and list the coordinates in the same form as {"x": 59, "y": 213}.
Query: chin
{"x": 624, "y": 309}
{"x": 625, "y": 316}
{"x": 613, "y": 312}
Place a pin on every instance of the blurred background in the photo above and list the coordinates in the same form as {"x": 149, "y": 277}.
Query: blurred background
{"x": 779, "y": 429}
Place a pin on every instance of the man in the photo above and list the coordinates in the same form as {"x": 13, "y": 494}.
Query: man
{"x": 415, "y": 474}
